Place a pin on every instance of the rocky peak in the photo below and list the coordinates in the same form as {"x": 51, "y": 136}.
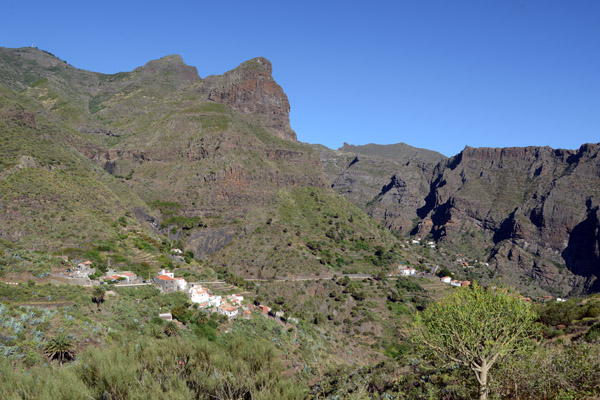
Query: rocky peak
{"x": 173, "y": 67}
{"x": 258, "y": 68}
{"x": 251, "y": 89}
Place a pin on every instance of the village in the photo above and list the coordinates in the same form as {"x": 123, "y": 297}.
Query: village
{"x": 231, "y": 305}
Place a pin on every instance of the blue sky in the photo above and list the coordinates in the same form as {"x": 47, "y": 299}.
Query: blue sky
{"x": 432, "y": 74}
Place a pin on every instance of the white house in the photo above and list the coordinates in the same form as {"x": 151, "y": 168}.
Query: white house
{"x": 229, "y": 311}
{"x": 129, "y": 276}
{"x": 166, "y": 316}
{"x": 176, "y": 251}
{"x": 235, "y": 299}
{"x": 214, "y": 300}
{"x": 165, "y": 272}
{"x": 446, "y": 279}
{"x": 407, "y": 271}
{"x": 180, "y": 283}
{"x": 460, "y": 283}
{"x": 199, "y": 295}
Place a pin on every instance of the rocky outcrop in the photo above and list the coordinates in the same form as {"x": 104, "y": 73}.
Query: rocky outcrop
{"x": 251, "y": 89}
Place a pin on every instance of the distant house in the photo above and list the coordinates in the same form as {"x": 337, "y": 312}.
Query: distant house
{"x": 181, "y": 283}
{"x": 166, "y": 316}
{"x": 456, "y": 283}
{"x": 165, "y": 272}
{"x": 446, "y": 279}
{"x": 228, "y": 311}
{"x": 165, "y": 283}
{"x": 82, "y": 273}
{"x": 246, "y": 314}
{"x": 407, "y": 271}
{"x": 130, "y": 277}
{"x": 235, "y": 299}
{"x": 465, "y": 283}
{"x": 214, "y": 300}
{"x": 85, "y": 264}
{"x": 263, "y": 309}
{"x": 198, "y": 295}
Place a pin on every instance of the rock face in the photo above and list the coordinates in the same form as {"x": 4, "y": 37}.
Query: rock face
{"x": 250, "y": 89}
{"x": 535, "y": 209}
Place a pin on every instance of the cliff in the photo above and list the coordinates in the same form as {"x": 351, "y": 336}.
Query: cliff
{"x": 535, "y": 209}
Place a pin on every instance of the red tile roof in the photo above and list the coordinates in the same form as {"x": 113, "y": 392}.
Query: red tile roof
{"x": 165, "y": 278}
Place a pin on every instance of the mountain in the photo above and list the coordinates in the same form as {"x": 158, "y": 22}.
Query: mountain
{"x": 212, "y": 162}
{"x": 389, "y": 182}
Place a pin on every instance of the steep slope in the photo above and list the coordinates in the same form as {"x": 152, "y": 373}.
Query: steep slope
{"x": 532, "y": 211}
{"x": 388, "y": 181}
{"x": 309, "y": 232}
{"x": 51, "y": 196}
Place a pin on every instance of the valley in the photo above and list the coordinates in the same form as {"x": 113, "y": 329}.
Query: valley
{"x": 160, "y": 169}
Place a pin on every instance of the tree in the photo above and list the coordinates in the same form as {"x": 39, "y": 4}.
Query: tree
{"x": 444, "y": 272}
{"x": 171, "y": 329}
{"x": 60, "y": 348}
{"x": 476, "y": 327}
{"x": 98, "y": 296}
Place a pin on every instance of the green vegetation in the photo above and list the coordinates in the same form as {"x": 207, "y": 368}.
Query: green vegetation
{"x": 477, "y": 327}
{"x": 176, "y": 367}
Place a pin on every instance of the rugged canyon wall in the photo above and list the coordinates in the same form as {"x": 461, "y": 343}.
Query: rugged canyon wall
{"x": 535, "y": 207}
{"x": 530, "y": 213}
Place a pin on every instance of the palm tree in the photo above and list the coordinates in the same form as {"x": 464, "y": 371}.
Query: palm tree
{"x": 98, "y": 296}
{"x": 201, "y": 317}
{"x": 60, "y": 348}
{"x": 171, "y": 329}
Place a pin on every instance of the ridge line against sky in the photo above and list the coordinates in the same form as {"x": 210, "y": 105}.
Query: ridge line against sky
{"x": 433, "y": 74}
